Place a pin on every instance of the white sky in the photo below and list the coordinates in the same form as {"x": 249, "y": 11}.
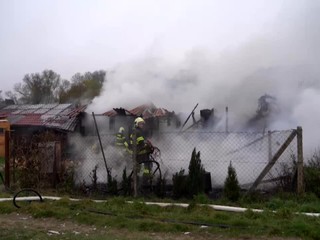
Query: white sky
{"x": 175, "y": 53}
{"x": 70, "y": 36}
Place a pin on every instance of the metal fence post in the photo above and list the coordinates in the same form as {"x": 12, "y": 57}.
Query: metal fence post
{"x": 300, "y": 185}
{"x": 134, "y": 159}
{"x": 269, "y": 146}
{"x": 227, "y": 119}
{"x": 101, "y": 147}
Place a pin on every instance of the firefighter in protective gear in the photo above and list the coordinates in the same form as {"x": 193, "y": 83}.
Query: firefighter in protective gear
{"x": 121, "y": 142}
{"x": 142, "y": 145}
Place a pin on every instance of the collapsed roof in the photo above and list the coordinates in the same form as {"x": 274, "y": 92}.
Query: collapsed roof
{"x": 146, "y": 111}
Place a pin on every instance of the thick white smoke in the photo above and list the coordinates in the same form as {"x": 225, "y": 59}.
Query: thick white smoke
{"x": 283, "y": 62}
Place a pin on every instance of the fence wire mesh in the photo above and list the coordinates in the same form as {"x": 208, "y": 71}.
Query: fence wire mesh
{"x": 249, "y": 154}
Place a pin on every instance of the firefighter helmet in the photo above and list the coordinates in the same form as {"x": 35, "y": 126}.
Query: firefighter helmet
{"x": 121, "y": 130}
{"x": 138, "y": 120}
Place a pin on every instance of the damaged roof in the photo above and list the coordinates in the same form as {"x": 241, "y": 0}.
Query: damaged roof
{"x": 145, "y": 110}
{"x": 56, "y": 116}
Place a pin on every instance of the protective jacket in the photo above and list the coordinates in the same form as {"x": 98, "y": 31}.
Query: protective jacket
{"x": 121, "y": 140}
{"x": 142, "y": 147}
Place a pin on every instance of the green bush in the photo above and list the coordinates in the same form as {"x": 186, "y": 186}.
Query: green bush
{"x": 180, "y": 186}
{"x": 112, "y": 185}
{"x": 312, "y": 174}
{"x": 312, "y": 180}
{"x": 192, "y": 184}
{"x": 231, "y": 189}
{"x": 126, "y": 183}
{"x": 196, "y": 175}
{"x": 160, "y": 188}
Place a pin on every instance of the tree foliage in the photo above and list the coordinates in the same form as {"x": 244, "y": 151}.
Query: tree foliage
{"x": 193, "y": 183}
{"x": 48, "y": 87}
{"x": 231, "y": 185}
{"x": 38, "y": 88}
{"x": 83, "y": 88}
{"x": 180, "y": 185}
{"x": 196, "y": 174}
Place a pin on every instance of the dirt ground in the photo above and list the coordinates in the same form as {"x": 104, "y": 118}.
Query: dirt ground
{"x": 54, "y": 226}
{"x": 51, "y": 225}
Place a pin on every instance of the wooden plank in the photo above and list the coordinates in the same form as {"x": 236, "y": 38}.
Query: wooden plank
{"x": 7, "y": 160}
{"x": 56, "y": 163}
{"x": 300, "y": 185}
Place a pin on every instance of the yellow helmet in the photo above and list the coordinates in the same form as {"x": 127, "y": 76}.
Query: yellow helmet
{"x": 121, "y": 130}
{"x": 138, "y": 120}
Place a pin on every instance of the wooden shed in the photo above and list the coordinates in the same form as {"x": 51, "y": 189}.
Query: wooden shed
{"x": 4, "y": 126}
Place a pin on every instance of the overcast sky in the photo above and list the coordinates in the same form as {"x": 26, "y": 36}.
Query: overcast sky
{"x": 70, "y": 36}
{"x": 175, "y": 53}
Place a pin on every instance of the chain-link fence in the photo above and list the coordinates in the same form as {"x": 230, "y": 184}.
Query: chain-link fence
{"x": 266, "y": 160}
{"x": 249, "y": 154}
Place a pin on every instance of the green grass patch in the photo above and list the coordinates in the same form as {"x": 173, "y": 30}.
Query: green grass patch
{"x": 279, "y": 219}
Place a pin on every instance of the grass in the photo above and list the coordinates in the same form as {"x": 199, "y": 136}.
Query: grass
{"x": 140, "y": 218}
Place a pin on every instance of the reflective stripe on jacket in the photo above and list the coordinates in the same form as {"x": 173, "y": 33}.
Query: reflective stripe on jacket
{"x": 140, "y": 141}
{"x": 121, "y": 140}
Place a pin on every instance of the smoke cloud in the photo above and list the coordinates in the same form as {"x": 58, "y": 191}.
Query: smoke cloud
{"x": 282, "y": 62}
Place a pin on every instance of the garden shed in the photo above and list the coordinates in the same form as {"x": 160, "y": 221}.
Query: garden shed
{"x": 39, "y": 137}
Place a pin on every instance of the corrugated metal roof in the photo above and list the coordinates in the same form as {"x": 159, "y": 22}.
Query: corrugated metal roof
{"x": 117, "y": 111}
{"x": 10, "y": 107}
{"x": 58, "y": 116}
{"x": 110, "y": 113}
{"x": 29, "y": 119}
{"x": 145, "y": 110}
{"x": 160, "y": 112}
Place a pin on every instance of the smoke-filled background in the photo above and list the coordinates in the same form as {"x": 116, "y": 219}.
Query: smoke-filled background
{"x": 175, "y": 53}
{"x": 281, "y": 60}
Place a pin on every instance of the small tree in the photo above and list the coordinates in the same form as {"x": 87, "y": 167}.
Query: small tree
{"x": 160, "y": 188}
{"x": 231, "y": 185}
{"x": 126, "y": 183}
{"x": 312, "y": 174}
{"x": 112, "y": 185}
{"x": 180, "y": 187}
{"x": 196, "y": 175}
{"x": 193, "y": 183}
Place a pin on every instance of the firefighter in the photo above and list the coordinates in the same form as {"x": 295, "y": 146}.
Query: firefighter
{"x": 121, "y": 141}
{"x": 143, "y": 147}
